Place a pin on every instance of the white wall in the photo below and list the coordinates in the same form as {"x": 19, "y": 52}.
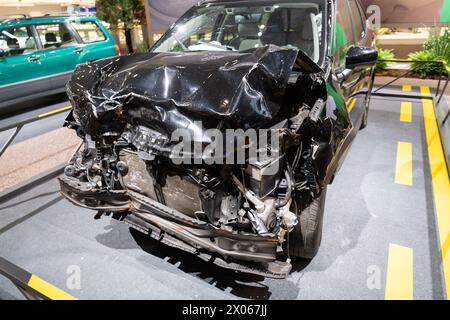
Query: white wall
{"x": 31, "y": 10}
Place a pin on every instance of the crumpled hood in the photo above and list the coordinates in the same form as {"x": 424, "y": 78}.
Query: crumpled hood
{"x": 167, "y": 91}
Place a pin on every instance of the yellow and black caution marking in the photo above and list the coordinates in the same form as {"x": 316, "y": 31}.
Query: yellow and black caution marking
{"x": 32, "y": 285}
{"x": 48, "y": 290}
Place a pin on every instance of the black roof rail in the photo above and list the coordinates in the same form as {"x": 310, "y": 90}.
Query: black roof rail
{"x": 23, "y": 15}
{"x": 66, "y": 14}
{"x": 9, "y": 17}
{"x": 53, "y": 14}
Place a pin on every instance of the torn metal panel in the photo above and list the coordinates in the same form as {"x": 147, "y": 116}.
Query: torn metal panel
{"x": 127, "y": 109}
{"x": 167, "y": 91}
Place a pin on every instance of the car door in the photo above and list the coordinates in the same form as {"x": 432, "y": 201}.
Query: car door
{"x": 22, "y": 67}
{"x": 98, "y": 43}
{"x": 61, "y": 49}
{"x": 345, "y": 82}
{"x": 349, "y": 31}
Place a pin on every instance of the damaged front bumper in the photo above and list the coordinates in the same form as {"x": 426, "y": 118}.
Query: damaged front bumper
{"x": 196, "y": 236}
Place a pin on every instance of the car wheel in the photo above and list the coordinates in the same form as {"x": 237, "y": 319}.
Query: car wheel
{"x": 304, "y": 239}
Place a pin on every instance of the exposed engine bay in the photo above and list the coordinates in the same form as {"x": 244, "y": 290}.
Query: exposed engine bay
{"x": 127, "y": 109}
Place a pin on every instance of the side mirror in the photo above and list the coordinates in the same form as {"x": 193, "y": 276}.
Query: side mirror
{"x": 361, "y": 57}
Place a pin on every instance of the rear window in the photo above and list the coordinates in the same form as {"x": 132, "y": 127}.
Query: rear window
{"x": 89, "y": 31}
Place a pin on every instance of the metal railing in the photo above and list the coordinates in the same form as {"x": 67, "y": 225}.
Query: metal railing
{"x": 444, "y": 78}
{"x": 20, "y": 124}
{"x": 65, "y": 14}
{"x": 15, "y": 16}
{"x": 31, "y": 286}
{"x": 22, "y": 16}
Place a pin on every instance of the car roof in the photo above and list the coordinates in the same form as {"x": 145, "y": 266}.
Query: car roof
{"x": 27, "y": 20}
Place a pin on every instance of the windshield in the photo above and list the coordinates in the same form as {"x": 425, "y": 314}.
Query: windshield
{"x": 238, "y": 26}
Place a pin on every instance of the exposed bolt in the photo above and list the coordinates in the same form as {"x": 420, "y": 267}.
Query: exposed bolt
{"x": 122, "y": 167}
{"x": 70, "y": 171}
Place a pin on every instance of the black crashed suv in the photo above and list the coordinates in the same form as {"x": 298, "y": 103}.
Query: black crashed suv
{"x": 222, "y": 139}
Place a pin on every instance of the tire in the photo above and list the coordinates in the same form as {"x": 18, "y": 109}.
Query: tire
{"x": 305, "y": 238}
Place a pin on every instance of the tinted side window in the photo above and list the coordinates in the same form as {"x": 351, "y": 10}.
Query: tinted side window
{"x": 89, "y": 31}
{"x": 358, "y": 19}
{"x": 55, "y": 35}
{"x": 16, "y": 41}
{"x": 344, "y": 37}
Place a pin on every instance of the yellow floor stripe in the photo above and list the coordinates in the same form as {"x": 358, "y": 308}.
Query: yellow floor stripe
{"x": 42, "y": 115}
{"x": 48, "y": 289}
{"x": 352, "y": 104}
{"x": 425, "y": 91}
{"x": 403, "y": 168}
{"x": 407, "y": 87}
{"x": 440, "y": 182}
{"x": 400, "y": 274}
{"x": 406, "y": 112}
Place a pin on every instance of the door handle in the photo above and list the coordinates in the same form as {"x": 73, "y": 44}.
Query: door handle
{"x": 79, "y": 50}
{"x": 34, "y": 58}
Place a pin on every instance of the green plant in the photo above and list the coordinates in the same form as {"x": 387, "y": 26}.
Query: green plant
{"x": 384, "y": 54}
{"x": 126, "y": 12}
{"x": 141, "y": 47}
{"x": 425, "y": 69}
{"x": 439, "y": 45}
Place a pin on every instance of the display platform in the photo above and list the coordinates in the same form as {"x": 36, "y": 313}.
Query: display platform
{"x": 380, "y": 237}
